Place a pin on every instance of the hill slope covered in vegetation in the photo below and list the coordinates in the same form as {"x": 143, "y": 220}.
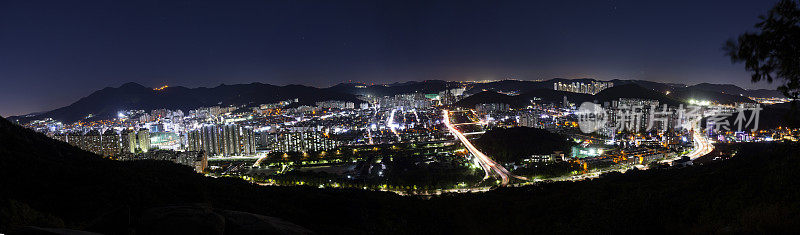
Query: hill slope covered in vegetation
{"x": 51, "y": 184}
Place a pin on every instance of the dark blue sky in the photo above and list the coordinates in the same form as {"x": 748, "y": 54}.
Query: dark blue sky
{"x": 54, "y": 52}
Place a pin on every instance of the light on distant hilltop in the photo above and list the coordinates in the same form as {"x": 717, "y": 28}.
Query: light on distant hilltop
{"x": 700, "y": 102}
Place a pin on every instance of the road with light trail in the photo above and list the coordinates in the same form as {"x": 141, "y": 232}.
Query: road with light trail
{"x": 392, "y": 125}
{"x": 489, "y": 166}
{"x": 702, "y": 145}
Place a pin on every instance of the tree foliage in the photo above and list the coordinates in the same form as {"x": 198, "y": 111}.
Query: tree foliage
{"x": 773, "y": 52}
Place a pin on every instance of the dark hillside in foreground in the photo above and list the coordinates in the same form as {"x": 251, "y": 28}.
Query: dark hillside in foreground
{"x": 50, "y": 184}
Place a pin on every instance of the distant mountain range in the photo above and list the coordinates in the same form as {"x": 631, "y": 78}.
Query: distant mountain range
{"x": 630, "y": 90}
{"x": 666, "y": 93}
{"x": 429, "y": 86}
{"x": 106, "y": 103}
{"x": 527, "y": 86}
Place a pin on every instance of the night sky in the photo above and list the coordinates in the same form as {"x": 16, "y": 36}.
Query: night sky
{"x": 55, "y": 52}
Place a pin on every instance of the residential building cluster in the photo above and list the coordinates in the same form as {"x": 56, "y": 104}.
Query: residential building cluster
{"x": 225, "y": 140}
{"x": 108, "y": 143}
{"x": 591, "y": 88}
{"x": 302, "y": 139}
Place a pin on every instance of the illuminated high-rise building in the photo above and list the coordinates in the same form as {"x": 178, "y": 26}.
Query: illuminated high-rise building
{"x": 128, "y": 141}
{"x": 143, "y": 138}
{"x": 209, "y": 140}
{"x": 92, "y": 142}
{"x": 303, "y": 140}
{"x": 111, "y": 143}
{"x": 591, "y": 88}
{"x": 225, "y": 140}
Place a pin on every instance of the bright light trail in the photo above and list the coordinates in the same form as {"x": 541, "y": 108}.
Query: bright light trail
{"x": 702, "y": 145}
{"x": 487, "y": 163}
{"x": 260, "y": 159}
{"x": 393, "y": 126}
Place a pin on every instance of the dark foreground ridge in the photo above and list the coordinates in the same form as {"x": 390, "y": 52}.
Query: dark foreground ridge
{"x": 49, "y": 184}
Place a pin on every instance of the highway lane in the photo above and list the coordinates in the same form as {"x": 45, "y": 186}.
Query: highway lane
{"x": 261, "y": 158}
{"x": 488, "y": 165}
{"x": 703, "y": 145}
{"x": 392, "y": 125}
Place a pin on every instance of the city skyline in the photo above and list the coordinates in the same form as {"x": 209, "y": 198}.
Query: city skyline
{"x": 206, "y": 43}
{"x": 162, "y": 86}
{"x": 399, "y": 117}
